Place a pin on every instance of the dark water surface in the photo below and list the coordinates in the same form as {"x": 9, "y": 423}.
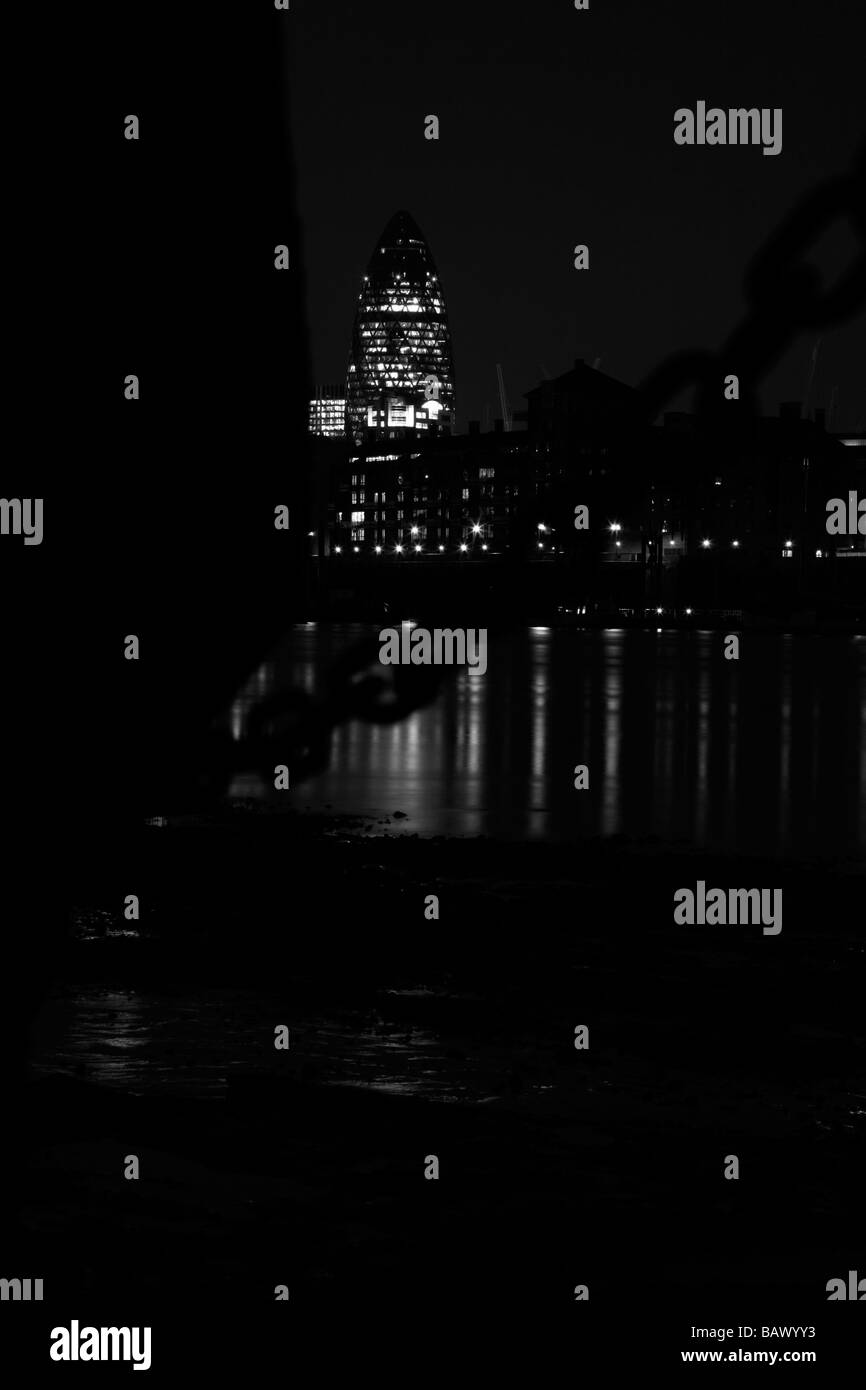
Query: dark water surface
{"x": 762, "y": 755}
{"x": 766, "y": 755}
{"x": 198, "y": 1043}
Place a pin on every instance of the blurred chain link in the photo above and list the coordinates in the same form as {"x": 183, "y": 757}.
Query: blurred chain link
{"x": 785, "y": 297}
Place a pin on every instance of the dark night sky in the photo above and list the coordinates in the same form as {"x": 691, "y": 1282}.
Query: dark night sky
{"x": 557, "y": 128}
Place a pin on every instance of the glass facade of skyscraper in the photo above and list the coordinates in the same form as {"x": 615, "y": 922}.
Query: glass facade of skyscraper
{"x": 400, "y": 380}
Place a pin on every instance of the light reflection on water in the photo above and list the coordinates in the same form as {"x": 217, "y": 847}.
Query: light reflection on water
{"x": 765, "y": 755}
{"x": 144, "y": 1042}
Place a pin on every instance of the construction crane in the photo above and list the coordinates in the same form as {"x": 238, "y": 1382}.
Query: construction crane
{"x": 810, "y": 378}
{"x": 506, "y": 410}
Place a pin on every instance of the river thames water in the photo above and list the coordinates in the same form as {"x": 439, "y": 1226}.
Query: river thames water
{"x": 762, "y": 755}
{"x": 766, "y": 755}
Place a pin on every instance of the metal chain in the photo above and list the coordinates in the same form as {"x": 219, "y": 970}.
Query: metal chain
{"x": 358, "y": 686}
{"x": 785, "y": 297}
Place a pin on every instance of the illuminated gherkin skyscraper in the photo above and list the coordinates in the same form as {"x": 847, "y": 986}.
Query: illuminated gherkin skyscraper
{"x": 401, "y": 373}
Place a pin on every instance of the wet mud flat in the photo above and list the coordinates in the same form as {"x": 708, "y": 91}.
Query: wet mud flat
{"x": 558, "y": 1167}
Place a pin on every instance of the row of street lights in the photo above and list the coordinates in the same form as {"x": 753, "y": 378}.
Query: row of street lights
{"x": 706, "y": 543}
{"x": 399, "y": 549}
{"x": 615, "y": 527}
